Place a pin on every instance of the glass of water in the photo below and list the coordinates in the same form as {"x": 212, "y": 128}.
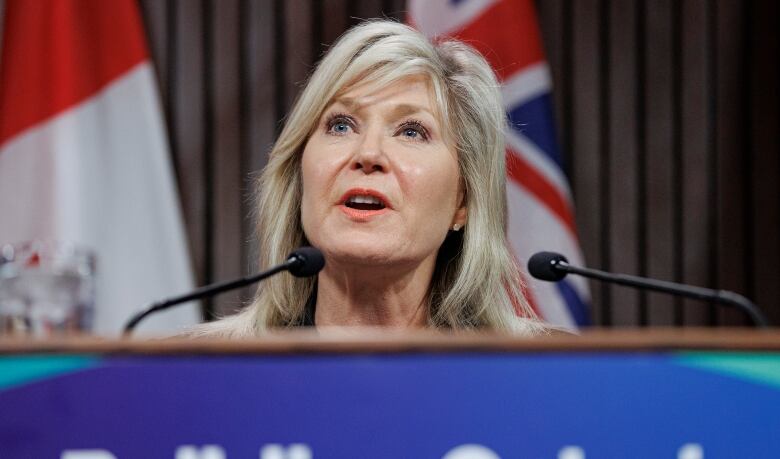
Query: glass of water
{"x": 46, "y": 289}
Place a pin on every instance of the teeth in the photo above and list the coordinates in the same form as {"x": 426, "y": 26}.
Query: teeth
{"x": 364, "y": 200}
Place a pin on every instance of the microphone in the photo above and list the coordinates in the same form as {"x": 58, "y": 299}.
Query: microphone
{"x": 302, "y": 262}
{"x": 551, "y": 266}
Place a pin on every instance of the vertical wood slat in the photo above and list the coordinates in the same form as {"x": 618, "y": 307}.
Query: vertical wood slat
{"x": 729, "y": 155}
{"x": 278, "y": 65}
{"x": 641, "y": 154}
{"x": 695, "y": 131}
{"x": 261, "y": 111}
{"x": 765, "y": 168}
{"x": 605, "y": 153}
{"x": 207, "y": 138}
{"x": 747, "y": 145}
{"x": 244, "y": 142}
{"x": 623, "y": 168}
{"x": 677, "y": 159}
{"x": 395, "y": 9}
{"x": 367, "y": 9}
{"x": 171, "y": 54}
{"x": 159, "y": 22}
{"x": 335, "y": 18}
{"x": 567, "y": 88}
{"x": 155, "y": 19}
{"x": 659, "y": 160}
{"x": 713, "y": 151}
{"x": 186, "y": 110}
{"x": 298, "y": 59}
{"x": 584, "y": 132}
{"x": 227, "y": 172}
{"x": 317, "y": 29}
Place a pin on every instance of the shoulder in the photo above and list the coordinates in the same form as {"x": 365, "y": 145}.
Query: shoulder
{"x": 236, "y": 326}
{"x": 535, "y": 327}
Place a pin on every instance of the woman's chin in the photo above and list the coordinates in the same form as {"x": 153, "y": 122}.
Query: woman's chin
{"x": 361, "y": 257}
{"x": 366, "y": 253}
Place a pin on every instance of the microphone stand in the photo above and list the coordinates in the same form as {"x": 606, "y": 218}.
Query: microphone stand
{"x": 699, "y": 293}
{"x": 302, "y": 262}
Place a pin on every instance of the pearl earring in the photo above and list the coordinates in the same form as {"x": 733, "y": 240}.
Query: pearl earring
{"x": 455, "y": 227}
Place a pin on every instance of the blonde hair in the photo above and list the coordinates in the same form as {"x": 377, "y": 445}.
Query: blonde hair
{"x": 476, "y": 284}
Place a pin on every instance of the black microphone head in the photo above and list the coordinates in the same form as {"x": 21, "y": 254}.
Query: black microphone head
{"x": 305, "y": 261}
{"x": 542, "y": 265}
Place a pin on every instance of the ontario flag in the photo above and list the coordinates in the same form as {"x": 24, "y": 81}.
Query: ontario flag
{"x": 84, "y": 156}
{"x": 541, "y": 216}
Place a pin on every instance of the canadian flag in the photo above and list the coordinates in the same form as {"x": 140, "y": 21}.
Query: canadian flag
{"x": 84, "y": 156}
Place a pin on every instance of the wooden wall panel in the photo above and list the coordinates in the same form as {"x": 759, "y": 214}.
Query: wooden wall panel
{"x": 367, "y": 9}
{"x": 696, "y": 130}
{"x": 298, "y": 58}
{"x": 764, "y": 105}
{"x": 586, "y": 145}
{"x": 155, "y": 17}
{"x": 337, "y": 22}
{"x": 623, "y": 166}
{"x": 659, "y": 158}
{"x": 730, "y": 155}
{"x": 394, "y": 9}
{"x": 227, "y": 168}
{"x": 260, "y": 118}
{"x": 186, "y": 109}
{"x": 667, "y": 113}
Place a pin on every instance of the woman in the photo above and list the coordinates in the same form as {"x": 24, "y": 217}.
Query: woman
{"x": 392, "y": 163}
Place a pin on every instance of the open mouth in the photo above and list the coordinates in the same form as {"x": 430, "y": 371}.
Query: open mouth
{"x": 364, "y": 202}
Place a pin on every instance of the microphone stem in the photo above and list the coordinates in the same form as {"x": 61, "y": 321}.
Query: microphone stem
{"x": 205, "y": 291}
{"x": 700, "y": 293}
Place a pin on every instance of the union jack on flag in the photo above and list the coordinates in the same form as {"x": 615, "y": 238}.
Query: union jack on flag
{"x": 541, "y": 215}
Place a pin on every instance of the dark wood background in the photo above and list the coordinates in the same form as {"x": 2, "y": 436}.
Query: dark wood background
{"x": 667, "y": 112}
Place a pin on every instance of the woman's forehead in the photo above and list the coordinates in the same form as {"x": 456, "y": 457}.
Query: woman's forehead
{"x": 410, "y": 94}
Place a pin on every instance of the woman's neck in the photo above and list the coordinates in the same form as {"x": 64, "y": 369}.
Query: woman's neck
{"x": 362, "y": 296}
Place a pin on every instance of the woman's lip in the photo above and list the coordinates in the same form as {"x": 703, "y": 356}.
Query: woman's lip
{"x": 366, "y": 192}
{"x": 361, "y": 215}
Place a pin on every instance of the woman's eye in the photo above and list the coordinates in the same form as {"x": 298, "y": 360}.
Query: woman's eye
{"x": 414, "y": 131}
{"x": 410, "y": 132}
{"x": 339, "y": 126}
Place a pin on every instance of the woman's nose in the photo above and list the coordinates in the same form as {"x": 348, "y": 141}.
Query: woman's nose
{"x": 370, "y": 156}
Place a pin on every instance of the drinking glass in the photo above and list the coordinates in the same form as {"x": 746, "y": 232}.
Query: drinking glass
{"x": 46, "y": 289}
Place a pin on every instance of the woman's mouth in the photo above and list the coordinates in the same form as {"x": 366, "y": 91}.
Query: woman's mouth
{"x": 364, "y": 202}
{"x": 361, "y": 204}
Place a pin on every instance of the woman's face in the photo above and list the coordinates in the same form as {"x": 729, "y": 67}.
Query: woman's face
{"x": 380, "y": 180}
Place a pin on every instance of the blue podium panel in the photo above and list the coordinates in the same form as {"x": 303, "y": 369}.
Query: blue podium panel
{"x": 403, "y": 405}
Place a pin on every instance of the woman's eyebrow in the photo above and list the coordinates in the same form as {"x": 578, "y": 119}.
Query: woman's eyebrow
{"x": 399, "y": 110}
{"x": 349, "y": 103}
{"x": 409, "y": 109}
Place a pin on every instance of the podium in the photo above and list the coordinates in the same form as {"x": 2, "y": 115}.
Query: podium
{"x": 606, "y": 394}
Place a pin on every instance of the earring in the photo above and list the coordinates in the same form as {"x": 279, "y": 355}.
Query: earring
{"x": 455, "y": 227}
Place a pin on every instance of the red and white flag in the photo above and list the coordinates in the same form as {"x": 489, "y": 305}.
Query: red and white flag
{"x": 84, "y": 156}
{"x": 541, "y": 215}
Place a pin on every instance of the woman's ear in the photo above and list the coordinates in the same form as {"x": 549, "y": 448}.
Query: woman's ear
{"x": 461, "y": 213}
{"x": 459, "y": 220}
